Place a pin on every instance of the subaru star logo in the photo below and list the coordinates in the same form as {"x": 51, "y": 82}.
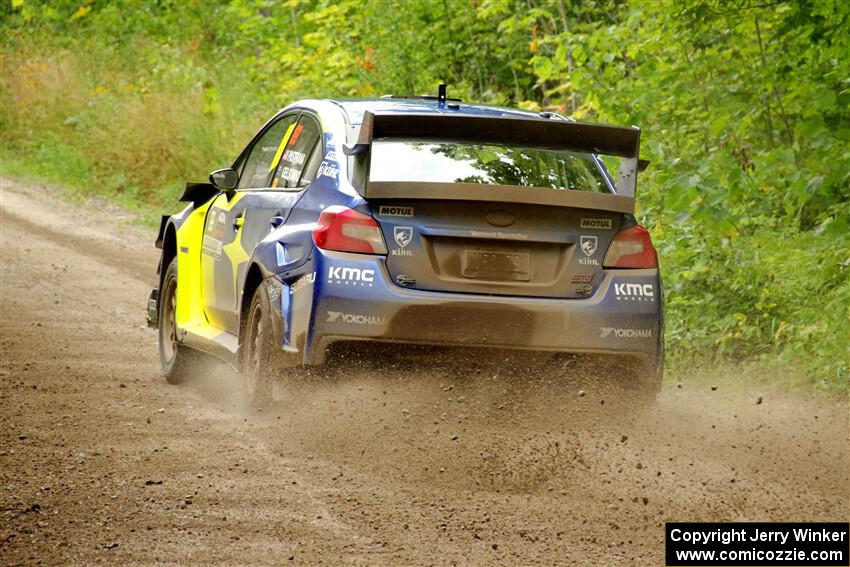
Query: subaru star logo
{"x": 588, "y": 245}
{"x": 403, "y": 235}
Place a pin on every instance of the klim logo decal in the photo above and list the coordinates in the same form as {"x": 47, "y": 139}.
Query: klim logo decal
{"x": 588, "y": 245}
{"x": 403, "y": 236}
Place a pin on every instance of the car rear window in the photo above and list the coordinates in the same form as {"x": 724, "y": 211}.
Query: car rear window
{"x": 486, "y": 164}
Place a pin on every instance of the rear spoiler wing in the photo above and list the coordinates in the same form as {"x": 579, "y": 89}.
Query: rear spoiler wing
{"x": 623, "y": 142}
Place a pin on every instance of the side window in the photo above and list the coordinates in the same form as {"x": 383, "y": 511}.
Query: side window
{"x": 298, "y": 163}
{"x": 260, "y": 162}
{"x": 312, "y": 165}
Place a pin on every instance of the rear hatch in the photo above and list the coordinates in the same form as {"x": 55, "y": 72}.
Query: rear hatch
{"x": 493, "y": 205}
{"x": 495, "y": 248}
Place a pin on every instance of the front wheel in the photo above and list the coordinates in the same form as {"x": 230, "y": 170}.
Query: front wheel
{"x": 176, "y": 361}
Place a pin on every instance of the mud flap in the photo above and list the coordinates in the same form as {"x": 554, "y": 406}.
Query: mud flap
{"x": 280, "y": 300}
{"x": 152, "y": 313}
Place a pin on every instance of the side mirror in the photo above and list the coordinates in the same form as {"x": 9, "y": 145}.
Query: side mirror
{"x": 224, "y": 179}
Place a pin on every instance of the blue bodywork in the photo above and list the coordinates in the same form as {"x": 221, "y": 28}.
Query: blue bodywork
{"x": 322, "y": 297}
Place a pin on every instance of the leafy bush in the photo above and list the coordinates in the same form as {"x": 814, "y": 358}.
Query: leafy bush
{"x": 138, "y": 117}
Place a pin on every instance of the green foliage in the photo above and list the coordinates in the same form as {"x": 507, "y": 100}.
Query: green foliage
{"x": 744, "y": 106}
{"x": 140, "y": 100}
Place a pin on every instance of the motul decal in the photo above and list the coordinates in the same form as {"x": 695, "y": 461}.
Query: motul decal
{"x": 389, "y": 211}
{"x": 601, "y": 224}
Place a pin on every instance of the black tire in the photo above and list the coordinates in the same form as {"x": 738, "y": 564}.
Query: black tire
{"x": 260, "y": 360}
{"x": 176, "y": 360}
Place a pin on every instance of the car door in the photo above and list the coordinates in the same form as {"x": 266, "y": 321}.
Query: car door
{"x": 269, "y": 185}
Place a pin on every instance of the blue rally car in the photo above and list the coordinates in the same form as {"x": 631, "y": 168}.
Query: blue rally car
{"x": 411, "y": 220}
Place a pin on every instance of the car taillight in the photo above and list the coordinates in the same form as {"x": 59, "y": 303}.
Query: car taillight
{"x": 631, "y": 248}
{"x": 346, "y": 230}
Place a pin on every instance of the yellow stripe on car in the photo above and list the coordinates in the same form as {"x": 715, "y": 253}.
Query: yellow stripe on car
{"x": 281, "y": 147}
{"x": 189, "y": 245}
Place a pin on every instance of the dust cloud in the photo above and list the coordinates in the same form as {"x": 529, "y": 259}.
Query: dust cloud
{"x": 406, "y": 457}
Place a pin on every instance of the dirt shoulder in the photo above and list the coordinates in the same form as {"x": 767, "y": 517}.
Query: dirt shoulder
{"x": 402, "y": 464}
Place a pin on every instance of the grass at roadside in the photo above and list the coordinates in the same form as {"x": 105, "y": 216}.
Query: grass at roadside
{"x": 764, "y": 375}
{"x": 74, "y": 182}
{"x": 132, "y": 122}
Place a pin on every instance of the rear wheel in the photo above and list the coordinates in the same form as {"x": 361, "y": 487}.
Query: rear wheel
{"x": 259, "y": 355}
{"x": 623, "y": 381}
{"x": 176, "y": 361}
{"x": 640, "y": 380}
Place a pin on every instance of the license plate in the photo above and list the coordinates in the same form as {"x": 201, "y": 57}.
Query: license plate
{"x": 502, "y": 266}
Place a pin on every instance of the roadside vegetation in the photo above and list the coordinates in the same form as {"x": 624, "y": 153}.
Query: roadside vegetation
{"x": 744, "y": 106}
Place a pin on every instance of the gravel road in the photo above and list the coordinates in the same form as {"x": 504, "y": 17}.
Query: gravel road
{"x": 402, "y": 462}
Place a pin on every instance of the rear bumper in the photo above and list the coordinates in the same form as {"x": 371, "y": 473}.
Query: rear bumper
{"x": 354, "y": 299}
